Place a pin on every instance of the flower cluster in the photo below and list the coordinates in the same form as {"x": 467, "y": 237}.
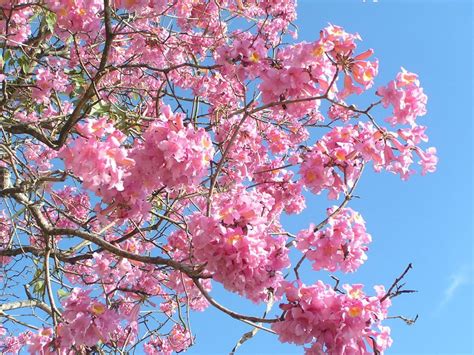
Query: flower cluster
{"x": 178, "y": 340}
{"x": 187, "y": 291}
{"x": 13, "y": 344}
{"x": 237, "y": 247}
{"x": 171, "y": 155}
{"x": 332, "y": 322}
{"x": 245, "y": 56}
{"x": 335, "y": 161}
{"x": 98, "y": 158}
{"x": 406, "y": 97}
{"x": 340, "y": 45}
{"x": 75, "y": 207}
{"x": 342, "y": 245}
{"x": 86, "y": 321}
{"x": 332, "y": 156}
{"x": 286, "y": 193}
{"x": 296, "y": 74}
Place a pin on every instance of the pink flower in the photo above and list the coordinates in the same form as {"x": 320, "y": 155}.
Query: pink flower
{"x": 236, "y": 245}
{"x": 428, "y": 161}
{"x": 406, "y": 96}
{"x": 341, "y": 246}
{"x": 86, "y": 321}
{"x": 178, "y": 340}
{"x": 99, "y": 159}
{"x": 338, "y": 323}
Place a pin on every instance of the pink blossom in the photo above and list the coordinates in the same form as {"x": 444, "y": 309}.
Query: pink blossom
{"x": 338, "y": 323}
{"x": 340, "y": 246}
{"x": 98, "y": 158}
{"x": 237, "y": 246}
{"x": 179, "y": 339}
{"x": 86, "y": 321}
{"x": 407, "y": 98}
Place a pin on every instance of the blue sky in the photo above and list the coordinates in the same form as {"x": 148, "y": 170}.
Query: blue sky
{"x": 426, "y": 220}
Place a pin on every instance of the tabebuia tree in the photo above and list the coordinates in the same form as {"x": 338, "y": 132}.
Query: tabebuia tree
{"x": 149, "y": 150}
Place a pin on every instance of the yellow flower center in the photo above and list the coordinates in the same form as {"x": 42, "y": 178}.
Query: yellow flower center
{"x": 206, "y": 143}
{"x": 46, "y": 332}
{"x": 254, "y": 57}
{"x": 234, "y": 239}
{"x": 368, "y": 76}
{"x": 318, "y": 51}
{"x": 358, "y": 219}
{"x": 355, "y": 311}
{"x": 129, "y": 3}
{"x": 98, "y": 309}
{"x": 62, "y": 12}
{"x": 340, "y": 155}
{"x": 310, "y": 176}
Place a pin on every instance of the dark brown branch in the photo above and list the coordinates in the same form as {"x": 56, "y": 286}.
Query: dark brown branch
{"x": 398, "y": 288}
{"x": 231, "y": 313}
{"x": 408, "y": 321}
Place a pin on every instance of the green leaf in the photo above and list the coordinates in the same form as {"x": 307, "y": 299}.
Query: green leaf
{"x": 39, "y": 287}
{"x": 50, "y": 19}
{"x": 100, "y": 109}
{"x": 6, "y": 55}
{"x": 17, "y": 213}
{"x": 24, "y": 64}
{"x": 63, "y": 293}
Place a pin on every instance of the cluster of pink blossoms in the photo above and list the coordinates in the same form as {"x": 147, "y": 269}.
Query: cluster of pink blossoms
{"x": 237, "y": 247}
{"x": 13, "y": 344}
{"x": 46, "y": 81}
{"x": 340, "y": 45}
{"x": 186, "y": 293}
{"x": 76, "y": 15}
{"x": 39, "y": 156}
{"x": 18, "y": 23}
{"x": 342, "y": 245}
{"x": 178, "y": 340}
{"x": 335, "y": 161}
{"x": 248, "y": 152}
{"x": 280, "y": 184}
{"x": 86, "y": 321}
{"x": 74, "y": 203}
{"x": 171, "y": 155}
{"x": 406, "y": 96}
{"x": 98, "y": 158}
{"x": 332, "y": 164}
{"x": 245, "y": 56}
{"x": 334, "y": 322}
{"x": 119, "y": 273}
{"x": 296, "y": 73}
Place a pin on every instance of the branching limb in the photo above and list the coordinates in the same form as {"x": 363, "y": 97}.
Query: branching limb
{"x": 253, "y": 320}
{"x": 397, "y": 289}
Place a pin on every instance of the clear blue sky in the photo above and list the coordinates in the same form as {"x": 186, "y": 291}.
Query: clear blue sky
{"x": 427, "y": 220}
